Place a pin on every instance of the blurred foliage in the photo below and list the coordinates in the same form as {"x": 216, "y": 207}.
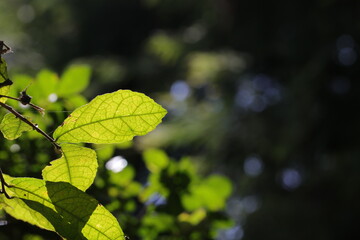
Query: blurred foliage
{"x": 263, "y": 92}
{"x": 174, "y": 201}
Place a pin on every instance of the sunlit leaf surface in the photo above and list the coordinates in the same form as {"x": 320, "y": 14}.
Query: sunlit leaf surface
{"x": 155, "y": 160}
{"x": 210, "y": 193}
{"x": 45, "y": 84}
{"x": 74, "y": 80}
{"x": 111, "y": 118}
{"x": 4, "y": 90}
{"x": 60, "y": 207}
{"x": 12, "y": 127}
{"x": 77, "y": 166}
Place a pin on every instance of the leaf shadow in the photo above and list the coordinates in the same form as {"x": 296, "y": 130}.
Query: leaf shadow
{"x": 73, "y": 209}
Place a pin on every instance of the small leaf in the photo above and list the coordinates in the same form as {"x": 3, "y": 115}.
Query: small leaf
{"x": 74, "y": 80}
{"x": 74, "y": 101}
{"x": 44, "y": 85}
{"x": 60, "y": 207}
{"x": 4, "y": 87}
{"x": 12, "y": 127}
{"x": 111, "y": 118}
{"x": 210, "y": 193}
{"x": 77, "y": 166}
{"x": 155, "y": 160}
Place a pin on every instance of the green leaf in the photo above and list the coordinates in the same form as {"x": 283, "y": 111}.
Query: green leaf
{"x": 12, "y": 127}
{"x": 193, "y": 218}
{"x": 210, "y": 193}
{"x": 77, "y": 166}
{"x": 111, "y": 118}
{"x": 17, "y": 208}
{"x": 220, "y": 184}
{"x": 43, "y": 86}
{"x": 4, "y": 90}
{"x": 74, "y": 80}
{"x": 60, "y": 207}
{"x": 155, "y": 160}
{"x": 123, "y": 178}
{"x": 74, "y": 101}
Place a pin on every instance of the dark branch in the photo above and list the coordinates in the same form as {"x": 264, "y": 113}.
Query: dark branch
{"x": 3, "y": 184}
{"x": 39, "y": 109}
{"x": 34, "y": 126}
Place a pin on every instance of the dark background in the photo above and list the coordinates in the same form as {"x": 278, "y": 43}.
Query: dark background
{"x": 264, "y": 92}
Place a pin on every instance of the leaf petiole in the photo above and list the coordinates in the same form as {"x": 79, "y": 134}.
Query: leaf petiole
{"x": 3, "y": 184}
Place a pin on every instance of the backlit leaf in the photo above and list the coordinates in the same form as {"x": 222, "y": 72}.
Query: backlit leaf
{"x": 74, "y": 80}
{"x": 60, "y": 207}
{"x": 210, "y": 193}
{"x": 17, "y": 208}
{"x": 77, "y": 166}
{"x": 12, "y": 127}
{"x": 155, "y": 160}
{"x": 111, "y": 118}
{"x": 43, "y": 86}
{"x": 4, "y": 90}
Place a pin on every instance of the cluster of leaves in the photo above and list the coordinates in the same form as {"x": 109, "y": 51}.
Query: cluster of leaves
{"x": 172, "y": 201}
{"x": 58, "y": 201}
{"x": 175, "y": 201}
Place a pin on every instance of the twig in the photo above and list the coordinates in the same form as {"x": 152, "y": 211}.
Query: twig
{"x": 37, "y": 108}
{"x": 3, "y": 184}
{"x": 4, "y": 48}
{"x": 34, "y": 126}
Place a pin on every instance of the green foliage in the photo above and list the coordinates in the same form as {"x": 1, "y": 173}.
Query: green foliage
{"x": 111, "y": 118}
{"x": 210, "y": 193}
{"x": 174, "y": 200}
{"x": 77, "y": 166}
{"x": 173, "y": 183}
{"x": 58, "y": 203}
{"x": 74, "y": 80}
{"x": 12, "y": 127}
{"x": 155, "y": 160}
{"x": 4, "y": 90}
{"x": 166, "y": 48}
{"x": 61, "y": 207}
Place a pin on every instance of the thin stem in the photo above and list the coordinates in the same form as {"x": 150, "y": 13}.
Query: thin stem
{"x": 34, "y": 126}
{"x": 3, "y": 184}
{"x": 13, "y": 98}
{"x": 37, "y": 108}
{"x": 4, "y": 50}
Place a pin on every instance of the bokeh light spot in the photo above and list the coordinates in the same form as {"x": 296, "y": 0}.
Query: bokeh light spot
{"x": 253, "y": 166}
{"x": 347, "y": 56}
{"x": 53, "y": 97}
{"x": 250, "y": 204}
{"x": 234, "y": 233}
{"x": 257, "y": 93}
{"x": 290, "y": 179}
{"x": 116, "y": 164}
{"x": 345, "y": 41}
{"x": 15, "y": 148}
{"x": 180, "y": 90}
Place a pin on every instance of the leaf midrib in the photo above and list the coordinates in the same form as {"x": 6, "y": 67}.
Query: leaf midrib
{"x": 102, "y": 120}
